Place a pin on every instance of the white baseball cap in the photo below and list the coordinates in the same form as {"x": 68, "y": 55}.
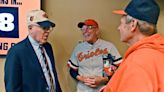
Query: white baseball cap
{"x": 40, "y": 18}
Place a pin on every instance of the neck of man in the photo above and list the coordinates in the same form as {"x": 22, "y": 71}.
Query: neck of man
{"x": 135, "y": 38}
{"x": 93, "y": 41}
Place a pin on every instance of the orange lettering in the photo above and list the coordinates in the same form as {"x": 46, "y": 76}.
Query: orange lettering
{"x": 80, "y": 56}
{"x": 97, "y": 52}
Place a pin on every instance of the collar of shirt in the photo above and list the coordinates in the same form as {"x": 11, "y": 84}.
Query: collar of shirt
{"x": 34, "y": 43}
{"x": 95, "y": 44}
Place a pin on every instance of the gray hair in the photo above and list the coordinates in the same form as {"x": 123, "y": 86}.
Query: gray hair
{"x": 144, "y": 27}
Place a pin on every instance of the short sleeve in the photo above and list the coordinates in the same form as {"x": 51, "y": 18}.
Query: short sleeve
{"x": 114, "y": 52}
{"x": 73, "y": 61}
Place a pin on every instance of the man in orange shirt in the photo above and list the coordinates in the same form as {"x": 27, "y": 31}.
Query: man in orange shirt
{"x": 142, "y": 69}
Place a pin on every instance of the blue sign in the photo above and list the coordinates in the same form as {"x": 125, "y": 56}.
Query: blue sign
{"x": 9, "y": 23}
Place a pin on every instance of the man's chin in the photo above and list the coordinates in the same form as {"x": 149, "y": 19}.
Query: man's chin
{"x": 44, "y": 41}
{"x": 87, "y": 40}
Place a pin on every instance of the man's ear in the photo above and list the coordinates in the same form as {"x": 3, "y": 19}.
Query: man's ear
{"x": 98, "y": 32}
{"x": 133, "y": 25}
{"x": 29, "y": 27}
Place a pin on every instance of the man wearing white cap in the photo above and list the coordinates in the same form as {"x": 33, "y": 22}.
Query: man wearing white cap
{"x": 29, "y": 65}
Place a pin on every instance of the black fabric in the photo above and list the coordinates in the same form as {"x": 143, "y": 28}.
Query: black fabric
{"x": 46, "y": 24}
{"x": 73, "y": 73}
{"x": 146, "y": 10}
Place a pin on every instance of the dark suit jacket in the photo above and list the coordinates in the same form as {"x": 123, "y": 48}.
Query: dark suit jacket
{"x": 23, "y": 72}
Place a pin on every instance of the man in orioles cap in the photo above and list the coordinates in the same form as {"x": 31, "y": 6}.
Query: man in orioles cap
{"x": 142, "y": 67}
{"x": 94, "y": 60}
{"x": 29, "y": 65}
{"x": 89, "y": 22}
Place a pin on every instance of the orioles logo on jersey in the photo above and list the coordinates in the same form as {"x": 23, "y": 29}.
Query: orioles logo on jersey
{"x": 81, "y": 56}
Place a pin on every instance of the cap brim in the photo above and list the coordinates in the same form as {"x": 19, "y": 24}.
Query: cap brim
{"x": 46, "y": 24}
{"x": 120, "y": 12}
{"x": 81, "y": 24}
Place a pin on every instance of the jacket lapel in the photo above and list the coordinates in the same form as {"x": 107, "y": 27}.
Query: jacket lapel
{"x": 33, "y": 56}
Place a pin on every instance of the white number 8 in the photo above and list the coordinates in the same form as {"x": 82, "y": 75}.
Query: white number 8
{"x": 6, "y": 22}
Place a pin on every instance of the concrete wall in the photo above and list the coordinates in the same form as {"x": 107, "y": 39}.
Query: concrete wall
{"x": 66, "y": 14}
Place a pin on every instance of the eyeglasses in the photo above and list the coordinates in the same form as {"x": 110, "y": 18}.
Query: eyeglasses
{"x": 47, "y": 28}
{"x": 44, "y": 28}
{"x": 87, "y": 28}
